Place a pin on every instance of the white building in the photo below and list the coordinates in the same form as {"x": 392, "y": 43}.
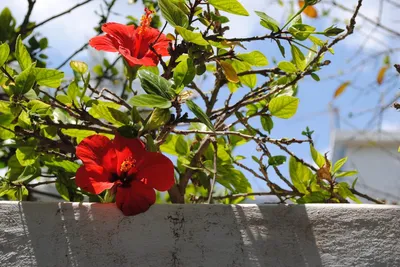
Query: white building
{"x": 375, "y": 155}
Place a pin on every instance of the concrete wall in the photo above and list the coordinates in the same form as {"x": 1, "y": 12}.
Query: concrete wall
{"x": 73, "y": 234}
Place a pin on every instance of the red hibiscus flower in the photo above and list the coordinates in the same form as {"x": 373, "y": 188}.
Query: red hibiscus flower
{"x": 125, "y": 165}
{"x": 133, "y": 44}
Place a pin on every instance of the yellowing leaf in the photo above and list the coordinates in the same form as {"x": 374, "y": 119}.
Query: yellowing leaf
{"x": 230, "y": 73}
{"x": 309, "y": 11}
{"x": 341, "y": 89}
{"x": 170, "y": 37}
{"x": 381, "y": 74}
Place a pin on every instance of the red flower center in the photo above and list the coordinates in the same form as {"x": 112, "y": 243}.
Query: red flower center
{"x": 128, "y": 170}
{"x": 128, "y": 164}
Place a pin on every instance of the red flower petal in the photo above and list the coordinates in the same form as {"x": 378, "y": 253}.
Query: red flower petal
{"x": 93, "y": 178}
{"x": 127, "y": 147}
{"x": 135, "y": 199}
{"x": 104, "y": 43}
{"x": 135, "y": 145}
{"x": 133, "y": 61}
{"x": 161, "y": 46}
{"x": 98, "y": 150}
{"x": 124, "y": 34}
{"x": 157, "y": 171}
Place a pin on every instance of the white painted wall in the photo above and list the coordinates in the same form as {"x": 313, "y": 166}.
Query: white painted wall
{"x": 376, "y": 158}
{"x": 73, "y": 234}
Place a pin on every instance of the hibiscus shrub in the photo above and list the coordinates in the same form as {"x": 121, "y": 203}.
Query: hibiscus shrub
{"x": 96, "y": 136}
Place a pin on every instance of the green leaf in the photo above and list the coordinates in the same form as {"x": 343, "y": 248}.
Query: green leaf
{"x": 7, "y": 22}
{"x": 344, "y": 191}
{"x": 252, "y": 109}
{"x": 267, "y": 123}
{"x": 317, "y": 157}
{"x": 313, "y": 197}
{"x": 154, "y": 84}
{"x": 116, "y": 117}
{"x": 159, "y": 117}
{"x": 48, "y": 77}
{"x": 281, "y": 47}
{"x": 193, "y": 37}
{"x": 268, "y": 22}
{"x": 300, "y": 175}
{"x": 26, "y": 155}
{"x": 81, "y": 134}
{"x": 62, "y": 189}
{"x": 184, "y": 73}
{"x": 283, "y": 107}
{"x": 4, "y": 53}
{"x": 22, "y": 54}
{"x": 231, "y": 178}
{"x": 181, "y": 146}
{"x": 276, "y": 160}
{"x": 29, "y": 173}
{"x": 25, "y": 80}
{"x": 345, "y": 174}
{"x": 64, "y": 99}
{"x": 150, "y": 101}
{"x": 4, "y": 106}
{"x": 24, "y": 120}
{"x": 73, "y": 90}
{"x": 170, "y": 145}
{"x": 199, "y": 113}
{"x": 298, "y": 58}
{"x": 339, "y": 164}
{"x": 233, "y": 87}
{"x": 255, "y": 58}
{"x": 78, "y": 133}
{"x": 333, "y": 31}
{"x": 79, "y": 66}
{"x": 316, "y": 40}
{"x": 173, "y": 14}
{"x": 98, "y": 69}
{"x": 153, "y": 69}
{"x": 249, "y": 80}
{"x": 353, "y": 184}
{"x": 315, "y": 77}
{"x": 66, "y": 165}
{"x": 6, "y": 132}
{"x": 301, "y": 31}
{"x": 230, "y": 6}
{"x": 287, "y": 66}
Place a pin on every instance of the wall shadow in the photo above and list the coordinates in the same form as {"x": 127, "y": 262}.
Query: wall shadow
{"x": 67, "y": 234}
{"x": 277, "y": 235}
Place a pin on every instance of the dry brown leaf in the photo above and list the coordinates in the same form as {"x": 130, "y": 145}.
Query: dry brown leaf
{"x": 325, "y": 171}
{"x": 310, "y": 11}
{"x": 230, "y": 73}
{"x": 341, "y": 89}
{"x": 381, "y": 74}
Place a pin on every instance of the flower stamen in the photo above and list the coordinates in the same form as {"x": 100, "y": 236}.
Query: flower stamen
{"x": 128, "y": 164}
{"x": 145, "y": 21}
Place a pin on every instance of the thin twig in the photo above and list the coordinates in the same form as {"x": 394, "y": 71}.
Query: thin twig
{"x": 355, "y": 192}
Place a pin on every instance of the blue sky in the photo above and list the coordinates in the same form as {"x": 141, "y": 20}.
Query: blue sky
{"x": 68, "y": 33}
